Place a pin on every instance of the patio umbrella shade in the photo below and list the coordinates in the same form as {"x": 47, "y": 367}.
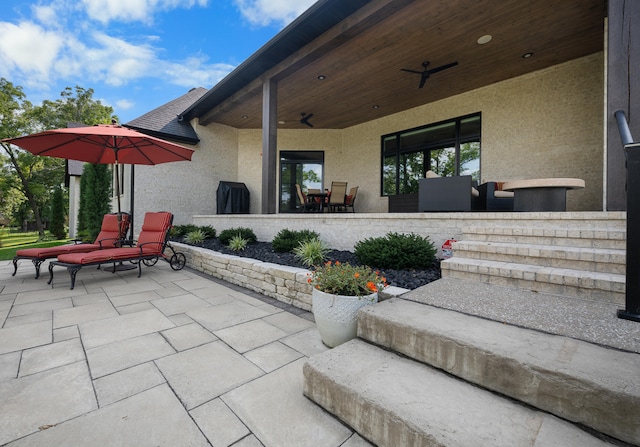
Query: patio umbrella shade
{"x": 103, "y": 144}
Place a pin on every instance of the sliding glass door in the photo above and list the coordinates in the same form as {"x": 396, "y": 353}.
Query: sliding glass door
{"x": 303, "y": 167}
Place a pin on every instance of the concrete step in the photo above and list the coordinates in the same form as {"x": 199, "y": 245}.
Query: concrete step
{"x": 605, "y": 237}
{"x": 608, "y": 287}
{"x": 603, "y": 260}
{"x": 395, "y": 401}
{"x": 572, "y": 379}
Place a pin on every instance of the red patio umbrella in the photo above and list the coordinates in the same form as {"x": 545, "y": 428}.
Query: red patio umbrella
{"x": 103, "y": 144}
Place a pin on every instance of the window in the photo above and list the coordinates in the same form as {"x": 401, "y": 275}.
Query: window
{"x": 448, "y": 148}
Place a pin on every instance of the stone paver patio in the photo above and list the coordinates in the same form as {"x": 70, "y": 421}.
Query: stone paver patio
{"x": 168, "y": 359}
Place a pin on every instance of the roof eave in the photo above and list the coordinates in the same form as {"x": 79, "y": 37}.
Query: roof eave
{"x": 324, "y": 14}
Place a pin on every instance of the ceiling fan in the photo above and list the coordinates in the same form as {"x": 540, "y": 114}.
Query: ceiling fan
{"x": 305, "y": 119}
{"x": 424, "y": 74}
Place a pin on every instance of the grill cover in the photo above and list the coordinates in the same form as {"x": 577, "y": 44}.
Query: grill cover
{"x": 232, "y": 198}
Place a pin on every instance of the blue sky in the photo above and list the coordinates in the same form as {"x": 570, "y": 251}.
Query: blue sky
{"x": 135, "y": 54}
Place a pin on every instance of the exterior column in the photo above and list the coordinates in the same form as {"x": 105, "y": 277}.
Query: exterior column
{"x": 623, "y": 93}
{"x": 269, "y": 145}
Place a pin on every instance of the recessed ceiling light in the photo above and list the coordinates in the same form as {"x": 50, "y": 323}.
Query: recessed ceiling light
{"x": 485, "y": 39}
{"x": 527, "y": 55}
{"x": 244, "y": 117}
{"x": 322, "y": 77}
{"x": 280, "y": 122}
{"x": 376, "y": 106}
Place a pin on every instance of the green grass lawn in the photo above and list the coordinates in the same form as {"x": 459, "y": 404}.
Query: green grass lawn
{"x": 11, "y": 242}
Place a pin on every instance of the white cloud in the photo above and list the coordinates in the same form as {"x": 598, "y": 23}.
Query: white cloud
{"x": 125, "y": 104}
{"x": 105, "y": 11}
{"x": 266, "y": 12}
{"x": 28, "y": 48}
{"x": 194, "y": 72}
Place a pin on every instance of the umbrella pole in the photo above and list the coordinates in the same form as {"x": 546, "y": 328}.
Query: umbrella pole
{"x": 120, "y": 267}
{"x": 118, "y": 188}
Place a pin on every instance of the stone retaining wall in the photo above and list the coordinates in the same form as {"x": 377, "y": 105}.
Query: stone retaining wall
{"x": 284, "y": 283}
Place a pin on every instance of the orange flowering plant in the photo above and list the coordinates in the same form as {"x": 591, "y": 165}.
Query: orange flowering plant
{"x": 337, "y": 278}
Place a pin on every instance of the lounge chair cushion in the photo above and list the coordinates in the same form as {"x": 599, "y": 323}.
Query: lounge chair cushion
{"x": 109, "y": 236}
{"x": 154, "y": 230}
{"x": 45, "y": 252}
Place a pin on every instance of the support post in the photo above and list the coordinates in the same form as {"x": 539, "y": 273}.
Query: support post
{"x": 269, "y": 145}
{"x": 632, "y": 291}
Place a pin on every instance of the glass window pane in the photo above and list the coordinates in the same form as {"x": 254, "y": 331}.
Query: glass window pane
{"x": 443, "y": 161}
{"x": 411, "y": 170}
{"x": 389, "y": 176}
{"x": 429, "y": 136}
{"x": 470, "y": 159}
{"x": 389, "y": 145}
{"x": 470, "y": 127}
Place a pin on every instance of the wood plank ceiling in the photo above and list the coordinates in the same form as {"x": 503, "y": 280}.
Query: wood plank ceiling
{"x": 362, "y": 57}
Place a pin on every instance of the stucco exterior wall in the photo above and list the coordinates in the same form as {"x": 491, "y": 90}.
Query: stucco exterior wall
{"x": 188, "y": 188}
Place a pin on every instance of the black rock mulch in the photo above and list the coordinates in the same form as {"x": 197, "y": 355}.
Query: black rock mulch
{"x": 262, "y": 251}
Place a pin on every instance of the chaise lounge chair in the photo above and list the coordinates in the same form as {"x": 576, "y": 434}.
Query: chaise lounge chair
{"x": 150, "y": 246}
{"x": 110, "y": 236}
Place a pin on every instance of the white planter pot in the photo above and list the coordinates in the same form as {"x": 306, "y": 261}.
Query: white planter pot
{"x": 335, "y": 315}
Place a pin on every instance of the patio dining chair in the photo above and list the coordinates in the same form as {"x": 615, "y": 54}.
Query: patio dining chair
{"x": 349, "y": 201}
{"x": 338, "y": 196}
{"x": 305, "y": 204}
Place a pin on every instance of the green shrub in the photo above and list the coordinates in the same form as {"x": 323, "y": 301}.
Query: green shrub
{"x": 397, "y": 251}
{"x": 209, "y": 231}
{"x": 287, "y": 240}
{"x": 238, "y": 243}
{"x": 182, "y": 230}
{"x": 312, "y": 252}
{"x": 245, "y": 233}
{"x": 194, "y": 237}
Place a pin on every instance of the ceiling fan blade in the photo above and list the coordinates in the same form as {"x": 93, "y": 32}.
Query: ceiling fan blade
{"x": 411, "y": 71}
{"x": 443, "y": 67}
{"x": 305, "y": 119}
{"x": 423, "y": 79}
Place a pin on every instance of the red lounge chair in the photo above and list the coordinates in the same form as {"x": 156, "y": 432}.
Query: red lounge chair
{"x": 109, "y": 237}
{"x": 149, "y": 247}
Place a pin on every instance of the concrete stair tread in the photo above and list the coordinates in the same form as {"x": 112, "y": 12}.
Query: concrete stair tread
{"x": 573, "y": 379}
{"x": 553, "y": 230}
{"x": 538, "y": 270}
{"x": 395, "y": 401}
{"x": 540, "y": 250}
{"x": 593, "y": 321}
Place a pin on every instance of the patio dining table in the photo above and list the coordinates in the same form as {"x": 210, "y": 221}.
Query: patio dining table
{"x": 319, "y": 195}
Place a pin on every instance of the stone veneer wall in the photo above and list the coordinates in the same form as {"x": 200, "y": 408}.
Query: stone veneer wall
{"x": 286, "y": 284}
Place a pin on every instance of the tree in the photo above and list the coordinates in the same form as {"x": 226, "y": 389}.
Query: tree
{"x": 14, "y": 121}
{"x": 29, "y": 177}
{"x": 95, "y": 193}
{"x": 56, "y": 222}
